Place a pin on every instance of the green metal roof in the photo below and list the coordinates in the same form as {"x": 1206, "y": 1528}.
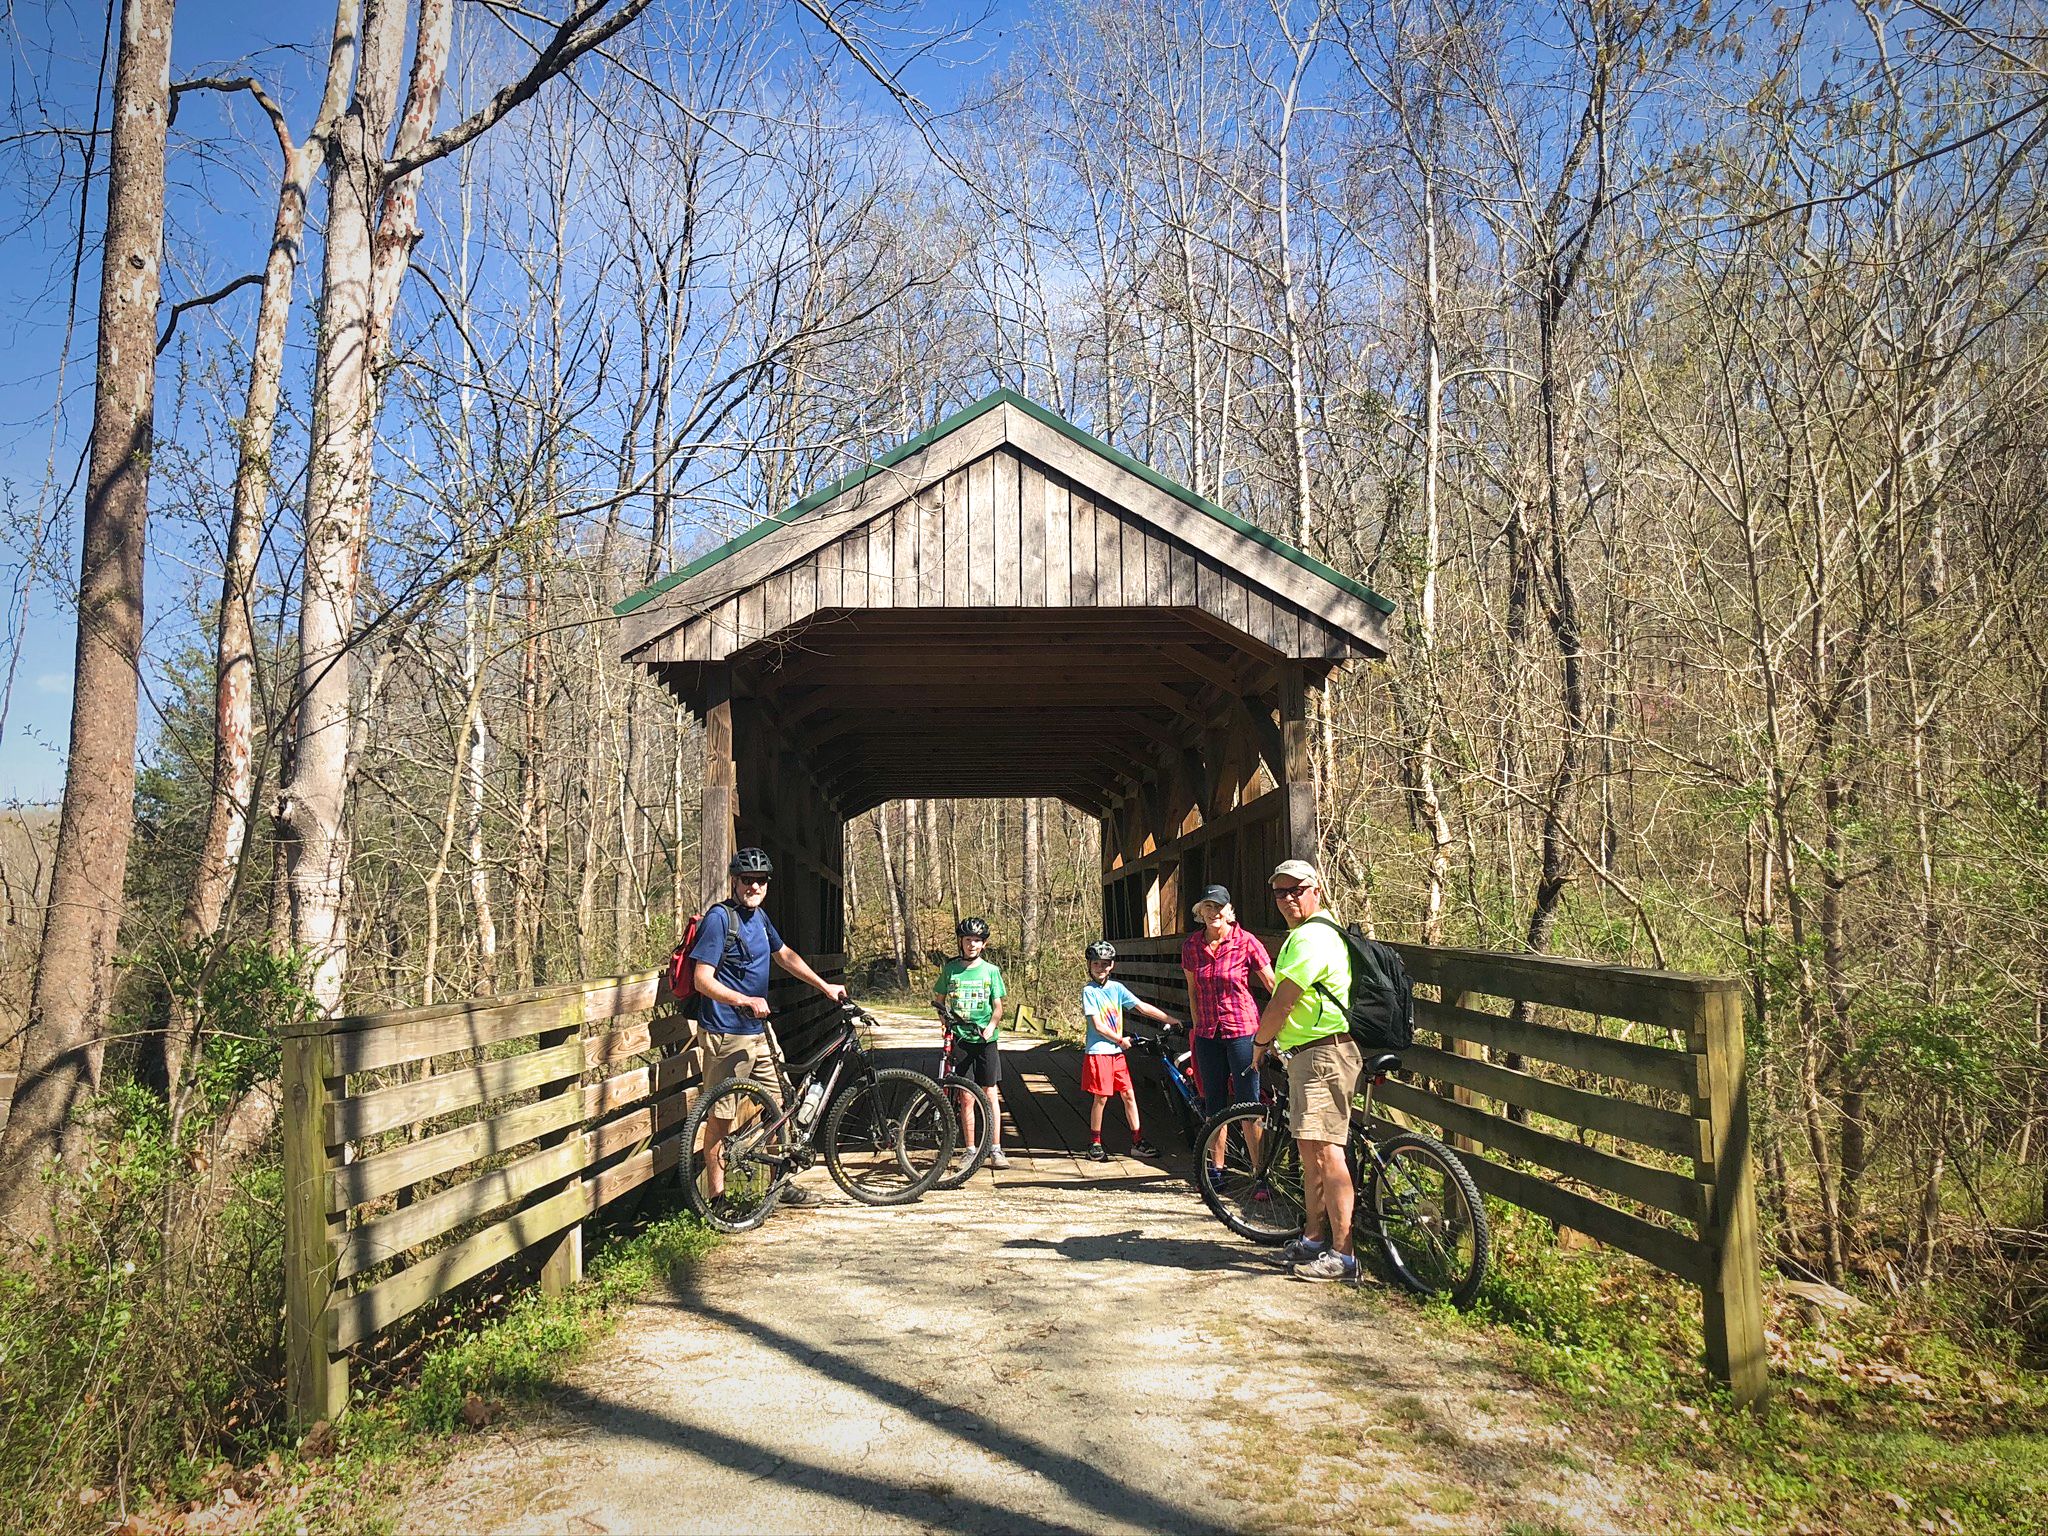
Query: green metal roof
{"x": 952, "y": 423}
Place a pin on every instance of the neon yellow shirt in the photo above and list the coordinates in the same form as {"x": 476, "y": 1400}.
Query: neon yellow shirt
{"x": 1315, "y": 958}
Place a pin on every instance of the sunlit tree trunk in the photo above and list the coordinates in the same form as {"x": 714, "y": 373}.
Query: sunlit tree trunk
{"x": 73, "y": 997}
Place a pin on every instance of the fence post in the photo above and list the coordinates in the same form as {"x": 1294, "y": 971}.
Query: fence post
{"x": 563, "y": 1266}
{"x": 316, "y": 1374}
{"x": 1733, "y": 1303}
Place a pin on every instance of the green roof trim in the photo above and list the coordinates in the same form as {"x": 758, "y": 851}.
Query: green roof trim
{"x": 959, "y": 419}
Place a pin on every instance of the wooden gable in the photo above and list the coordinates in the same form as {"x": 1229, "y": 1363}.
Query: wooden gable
{"x": 1006, "y": 508}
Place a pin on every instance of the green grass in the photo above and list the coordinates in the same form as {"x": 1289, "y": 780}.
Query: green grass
{"x": 496, "y": 1366}
{"x": 1897, "y": 1416}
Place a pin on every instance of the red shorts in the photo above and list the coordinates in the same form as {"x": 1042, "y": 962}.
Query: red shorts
{"x": 1105, "y": 1074}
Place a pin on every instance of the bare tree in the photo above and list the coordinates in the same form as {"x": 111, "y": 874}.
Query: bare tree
{"x": 64, "y": 1042}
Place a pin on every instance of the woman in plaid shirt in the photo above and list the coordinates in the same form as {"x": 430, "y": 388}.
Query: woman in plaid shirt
{"x": 1221, "y": 960}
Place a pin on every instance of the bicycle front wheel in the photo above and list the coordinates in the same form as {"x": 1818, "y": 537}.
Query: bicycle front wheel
{"x": 1249, "y": 1172}
{"x": 1429, "y": 1220}
{"x": 735, "y": 1190}
{"x": 889, "y": 1137}
{"x": 969, "y": 1152}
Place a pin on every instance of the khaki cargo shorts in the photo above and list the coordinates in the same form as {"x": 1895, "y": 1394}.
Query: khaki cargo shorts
{"x": 1321, "y": 1078}
{"x": 720, "y": 1058}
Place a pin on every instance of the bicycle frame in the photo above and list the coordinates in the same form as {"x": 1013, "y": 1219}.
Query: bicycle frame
{"x": 832, "y": 1063}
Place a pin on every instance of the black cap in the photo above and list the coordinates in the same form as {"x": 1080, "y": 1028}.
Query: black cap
{"x": 1215, "y": 893}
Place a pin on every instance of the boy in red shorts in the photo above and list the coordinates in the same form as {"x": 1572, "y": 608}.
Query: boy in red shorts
{"x": 1104, "y": 1071}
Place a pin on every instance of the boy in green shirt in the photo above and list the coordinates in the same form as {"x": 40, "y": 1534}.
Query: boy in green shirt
{"x": 969, "y": 996}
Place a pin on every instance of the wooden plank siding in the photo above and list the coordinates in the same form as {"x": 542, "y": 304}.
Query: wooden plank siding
{"x": 1662, "y": 1186}
{"x": 517, "y": 1175}
{"x": 1002, "y": 533}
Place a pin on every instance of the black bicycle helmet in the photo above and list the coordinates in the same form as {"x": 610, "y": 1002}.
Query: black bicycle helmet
{"x": 971, "y": 928}
{"x": 1101, "y": 949}
{"x": 751, "y": 861}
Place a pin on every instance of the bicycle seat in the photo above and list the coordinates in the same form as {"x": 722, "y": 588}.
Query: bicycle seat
{"x": 1382, "y": 1064}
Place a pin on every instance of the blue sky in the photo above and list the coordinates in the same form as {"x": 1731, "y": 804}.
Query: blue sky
{"x": 221, "y": 190}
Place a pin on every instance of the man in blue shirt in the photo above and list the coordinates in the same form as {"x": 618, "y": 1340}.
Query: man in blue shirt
{"x": 734, "y": 946}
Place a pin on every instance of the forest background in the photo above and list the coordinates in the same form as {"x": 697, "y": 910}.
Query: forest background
{"x": 1680, "y": 372}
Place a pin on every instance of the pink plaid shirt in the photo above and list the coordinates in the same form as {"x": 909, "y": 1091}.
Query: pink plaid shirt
{"x": 1221, "y": 1002}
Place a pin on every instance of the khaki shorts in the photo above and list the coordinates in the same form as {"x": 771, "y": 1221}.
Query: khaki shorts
{"x": 721, "y": 1058}
{"x": 1321, "y": 1078}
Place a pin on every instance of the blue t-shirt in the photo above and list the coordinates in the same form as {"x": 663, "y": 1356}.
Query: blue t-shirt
{"x": 738, "y": 954}
{"x": 1105, "y": 1005}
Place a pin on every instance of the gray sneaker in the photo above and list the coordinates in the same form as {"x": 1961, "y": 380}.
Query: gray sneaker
{"x": 1298, "y": 1250}
{"x": 998, "y": 1158}
{"x": 798, "y": 1197}
{"x": 1326, "y": 1266}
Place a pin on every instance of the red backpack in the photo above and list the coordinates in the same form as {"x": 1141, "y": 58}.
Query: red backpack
{"x": 681, "y": 974}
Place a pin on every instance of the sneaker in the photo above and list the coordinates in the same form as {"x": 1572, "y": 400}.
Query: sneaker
{"x": 1328, "y": 1265}
{"x": 799, "y": 1197}
{"x": 1143, "y": 1148}
{"x": 1299, "y": 1250}
{"x": 998, "y": 1158}
{"x": 1096, "y": 1154}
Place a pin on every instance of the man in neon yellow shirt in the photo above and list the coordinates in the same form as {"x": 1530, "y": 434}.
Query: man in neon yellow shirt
{"x": 1306, "y": 1019}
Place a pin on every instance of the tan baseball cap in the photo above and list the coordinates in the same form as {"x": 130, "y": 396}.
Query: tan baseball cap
{"x": 1295, "y": 869}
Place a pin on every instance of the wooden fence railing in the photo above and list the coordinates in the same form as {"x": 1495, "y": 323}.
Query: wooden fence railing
{"x": 1622, "y": 1089}
{"x": 425, "y": 1146}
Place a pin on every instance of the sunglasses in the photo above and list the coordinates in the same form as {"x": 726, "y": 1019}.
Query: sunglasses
{"x": 1282, "y": 892}
{"x": 760, "y": 880}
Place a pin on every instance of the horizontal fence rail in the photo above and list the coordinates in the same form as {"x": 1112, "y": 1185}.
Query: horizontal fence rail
{"x": 1608, "y": 1099}
{"x": 425, "y": 1146}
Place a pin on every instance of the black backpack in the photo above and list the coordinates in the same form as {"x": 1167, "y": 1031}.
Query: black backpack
{"x": 1381, "y": 1008}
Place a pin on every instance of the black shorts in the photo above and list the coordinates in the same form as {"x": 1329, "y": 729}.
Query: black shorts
{"x": 979, "y": 1061}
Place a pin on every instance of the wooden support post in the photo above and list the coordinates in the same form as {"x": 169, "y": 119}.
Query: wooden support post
{"x": 1468, "y": 1048}
{"x": 1299, "y": 783}
{"x": 563, "y": 1266}
{"x": 721, "y": 795}
{"x": 1733, "y": 1302}
{"x": 316, "y": 1373}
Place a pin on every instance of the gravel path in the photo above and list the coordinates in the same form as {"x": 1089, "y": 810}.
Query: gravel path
{"x": 1064, "y": 1347}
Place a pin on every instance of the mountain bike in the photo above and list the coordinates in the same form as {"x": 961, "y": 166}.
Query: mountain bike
{"x": 1416, "y": 1203}
{"x": 886, "y": 1134}
{"x": 1177, "y": 1069}
{"x": 968, "y": 1155}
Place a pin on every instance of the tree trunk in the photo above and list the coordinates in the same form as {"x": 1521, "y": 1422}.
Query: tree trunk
{"x": 234, "y": 755}
{"x": 913, "y": 940}
{"x": 892, "y": 896}
{"x": 337, "y": 493}
{"x": 473, "y": 776}
{"x": 1030, "y": 919}
{"x": 73, "y": 997}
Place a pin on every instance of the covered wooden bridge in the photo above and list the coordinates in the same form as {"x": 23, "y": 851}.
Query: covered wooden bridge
{"x": 1005, "y": 606}
{"x": 1002, "y": 607}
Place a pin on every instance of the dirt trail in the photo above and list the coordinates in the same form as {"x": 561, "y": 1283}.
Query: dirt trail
{"x": 1064, "y": 1347}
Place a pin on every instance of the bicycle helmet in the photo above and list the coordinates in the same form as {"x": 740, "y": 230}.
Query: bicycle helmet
{"x": 751, "y": 861}
{"x": 971, "y": 928}
{"x": 1101, "y": 949}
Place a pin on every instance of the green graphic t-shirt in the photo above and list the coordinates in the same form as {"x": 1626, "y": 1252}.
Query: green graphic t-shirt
{"x": 967, "y": 990}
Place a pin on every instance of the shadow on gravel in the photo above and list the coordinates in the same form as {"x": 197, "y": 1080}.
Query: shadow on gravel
{"x": 1085, "y": 1485}
{"x": 1135, "y": 1247}
{"x": 931, "y": 1501}
{"x": 1081, "y": 1188}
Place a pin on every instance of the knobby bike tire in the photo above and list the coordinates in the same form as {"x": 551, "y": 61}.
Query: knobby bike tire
{"x": 1260, "y": 1198}
{"x": 753, "y": 1165}
{"x": 1427, "y": 1218}
{"x": 889, "y": 1137}
{"x": 968, "y": 1158}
